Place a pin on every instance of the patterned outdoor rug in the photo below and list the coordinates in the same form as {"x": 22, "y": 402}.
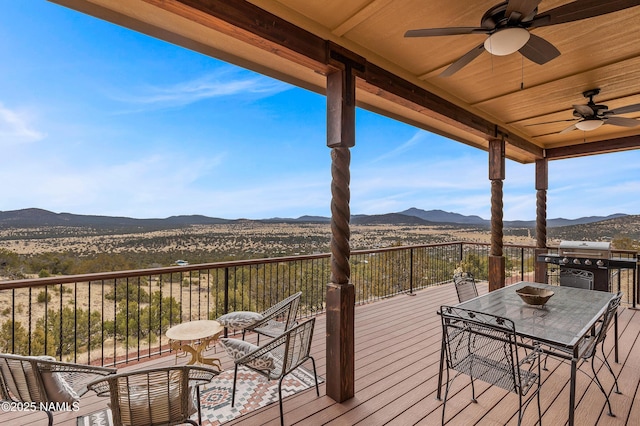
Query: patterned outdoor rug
{"x": 253, "y": 391}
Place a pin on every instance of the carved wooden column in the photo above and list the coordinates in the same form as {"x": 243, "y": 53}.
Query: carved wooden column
{"x": 542, "y": 184}
{"x": 496, "y": 175}
{"x": 340, "y": 292}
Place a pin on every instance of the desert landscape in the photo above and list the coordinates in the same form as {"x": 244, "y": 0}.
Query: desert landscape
{"x": 244, "y": 240}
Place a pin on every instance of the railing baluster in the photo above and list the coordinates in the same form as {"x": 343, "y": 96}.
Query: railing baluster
{"x": 234, "y": 285}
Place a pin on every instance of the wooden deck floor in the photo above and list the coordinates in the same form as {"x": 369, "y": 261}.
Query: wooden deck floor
{"x": 397, "y": 354}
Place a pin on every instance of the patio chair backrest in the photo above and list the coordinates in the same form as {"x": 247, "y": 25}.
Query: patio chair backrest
{"x": 484, "y": 347}
{"x": 298, "y": 345}
{"x": 286, "y": 310}
{"x": 158, "y": 396}
{"x": 20, "y": 379}
{"x": 578, "y": 278}
{"x": 43, "y": 379}
{"x": 465, "y": 285}
{"x": 601, "y": 332}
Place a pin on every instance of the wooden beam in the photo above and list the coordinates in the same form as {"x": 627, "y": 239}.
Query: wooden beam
{"x": 496, "y": 159}
{"x": 594, "y": 148}
{"x": 255, "y": 26}
{"x": 434, "y": 106}
{"x": 341, "y": 109}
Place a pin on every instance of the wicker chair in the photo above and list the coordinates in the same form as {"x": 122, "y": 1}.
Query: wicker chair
{"x": 43, "y": 381}
{"x": 158, "y": 396}
{"x": 277, "y": 319}
{"x": 485, "y": 347}
{"x": 465, "y": 285}
{"x": 277, "y": 358}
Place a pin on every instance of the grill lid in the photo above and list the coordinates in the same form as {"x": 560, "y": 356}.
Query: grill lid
{"x": 597, "y": 249}
{"x": 585, "y": 245}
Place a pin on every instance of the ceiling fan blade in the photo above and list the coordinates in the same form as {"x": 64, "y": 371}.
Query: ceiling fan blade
{"x": 580, "y": 9}
{"x": 523, "y": 7}
{"x": 539, "y": 50}
{"x": 624, "y": 109}
{"x": 584, "y": 110}
{"x": 464, "y": 60}
{"x": 435, "y": 32}
{"x": 622, "y": 121}
{"x": 568, "y": 129}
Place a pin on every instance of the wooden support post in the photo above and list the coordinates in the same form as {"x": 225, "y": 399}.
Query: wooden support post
{"x": 542, "y": 184}
{"x": 340, "y": 292}
{"x": 496, "y": 175}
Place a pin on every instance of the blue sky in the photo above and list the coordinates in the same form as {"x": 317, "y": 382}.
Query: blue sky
{"x": 97, "y": 119}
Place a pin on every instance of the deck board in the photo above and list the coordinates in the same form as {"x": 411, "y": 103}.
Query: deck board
{"x": 396, "y": 370}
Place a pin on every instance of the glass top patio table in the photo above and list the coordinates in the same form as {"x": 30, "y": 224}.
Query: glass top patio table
{"x": 563, "y": 321}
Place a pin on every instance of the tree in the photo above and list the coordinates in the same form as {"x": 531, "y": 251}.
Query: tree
{"x": 16, "y": 333}
{"x": 66, "y": 333}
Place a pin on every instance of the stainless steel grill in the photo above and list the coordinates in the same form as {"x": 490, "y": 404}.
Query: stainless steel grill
{"x": 592, "y": 256}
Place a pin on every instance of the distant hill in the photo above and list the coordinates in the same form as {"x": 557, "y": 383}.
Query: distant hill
{"x": 627, "y": 226}
{"x": 390, "y": 218}
{"x": 33, "y": 217}
{"x": 445, "y": 217}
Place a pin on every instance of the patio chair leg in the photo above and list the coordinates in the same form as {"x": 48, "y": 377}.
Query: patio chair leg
{"x": 280, "y": 400}
{"x": 315, "y": 375}
{"x": 233, "y": 391}
{"x": 50, "y": 416}
{"x": 199, "y": 408}
{"x": 473, "y": 391}
{"x": 615, "y": 379}
{"x": 446, "y": 394}
{"x": 442, "y": 349}
{"x": 545, "y": 362}
{"x": 595, "y": 377}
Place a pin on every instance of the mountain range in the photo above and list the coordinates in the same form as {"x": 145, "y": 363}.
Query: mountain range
{"x": 34, "y": 217}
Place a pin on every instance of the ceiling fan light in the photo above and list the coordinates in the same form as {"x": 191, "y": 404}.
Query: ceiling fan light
{"x": 586, "y": 125}
{"x": 506, "y": 41}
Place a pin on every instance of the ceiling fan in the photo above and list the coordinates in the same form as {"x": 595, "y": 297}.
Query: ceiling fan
{"x": 508, "y": 25}
{"x": 591, "y": 116}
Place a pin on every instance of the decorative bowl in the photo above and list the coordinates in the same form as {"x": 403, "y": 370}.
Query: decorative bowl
{"x": 534, "y": 295}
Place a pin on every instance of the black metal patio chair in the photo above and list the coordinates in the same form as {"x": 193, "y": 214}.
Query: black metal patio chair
{"x": 578, "y": 278}
{"x": 275, "y": 359}
{"x": 271, "y": 322}
{"x": 588, "y": 349}
{"x": 485, "y": 347}
{"x": 465, "y": 285}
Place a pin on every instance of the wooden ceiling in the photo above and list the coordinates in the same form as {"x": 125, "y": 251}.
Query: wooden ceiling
{"x": 298, "y": 41}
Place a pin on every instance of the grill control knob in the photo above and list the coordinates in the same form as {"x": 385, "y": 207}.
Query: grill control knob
{"x": 587, "y": 262}
{"x": 600, "y": 262}
{"x": 564, "y": 261}
{"x": 547, "y": 259}
{"x": 576, "y": 261}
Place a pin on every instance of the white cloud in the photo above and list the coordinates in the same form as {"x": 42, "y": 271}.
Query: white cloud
{"x": 414, "y": 140}
{"x": 15, "y": 128}
{"x": 221, "y": 83}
